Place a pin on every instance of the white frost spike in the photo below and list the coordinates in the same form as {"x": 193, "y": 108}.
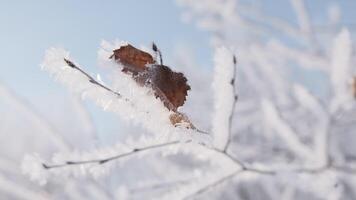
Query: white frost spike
{"x": 340, "y": 69}
{"x": 223, "y": 95}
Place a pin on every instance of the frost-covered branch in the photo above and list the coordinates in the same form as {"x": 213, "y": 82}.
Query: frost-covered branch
{"x": 231, "y": 117}
{"x": 91, "y": 79}
{"x": 340, "y": 70}
{"x": 224, "y": 86}
{"x": 105, "y": 160}
{"x": 133, "y": 103}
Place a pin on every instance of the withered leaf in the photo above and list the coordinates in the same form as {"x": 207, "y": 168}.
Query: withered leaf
{"x": 133, "y": 59}
{"x": 171, "y": 87}
{"x": 172, "y": 84}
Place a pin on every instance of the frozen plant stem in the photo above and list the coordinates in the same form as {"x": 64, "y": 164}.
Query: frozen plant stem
{"x": 231, "y": 117}
{"x": 91, "y": 79}
{"x": 105, "y": 160}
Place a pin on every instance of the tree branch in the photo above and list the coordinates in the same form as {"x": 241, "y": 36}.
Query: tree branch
{"x": 91, "y": 79}
{"x": 231, "y": 117}
{"x": 105, "y": 160}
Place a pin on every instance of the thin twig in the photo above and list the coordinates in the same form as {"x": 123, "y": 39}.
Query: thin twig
{"x": 231, "y": 117}
{"x": 156, "y": 50}
{"x": 105, "y": 160}
{"x": 91, "y": 79}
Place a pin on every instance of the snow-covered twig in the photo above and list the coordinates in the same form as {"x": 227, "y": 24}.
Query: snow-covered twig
{"x": 231, "y": 117}
{"x": 91, "y": 79}
{"x": 340, "y": 70}
{"x": 105, "y": 160}
{"x": 224, "y": 86}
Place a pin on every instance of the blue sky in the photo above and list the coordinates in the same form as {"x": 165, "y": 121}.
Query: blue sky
{"x": 30, "y": 27}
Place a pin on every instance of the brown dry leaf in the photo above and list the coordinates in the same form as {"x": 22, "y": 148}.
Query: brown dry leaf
{"x": 133, "y": 59}
{"x": 171, "y": 87}
{"x": 172, "y": 84}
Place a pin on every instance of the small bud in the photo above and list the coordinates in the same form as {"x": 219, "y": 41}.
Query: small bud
{"x": 103, "y": 161}
{"x": 69, "y": 63}
{"x": 232, "y": 82}
{"x": 154, "y": 47}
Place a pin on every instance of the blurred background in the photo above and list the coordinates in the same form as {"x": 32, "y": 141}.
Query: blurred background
{"x": 288, "y": 53}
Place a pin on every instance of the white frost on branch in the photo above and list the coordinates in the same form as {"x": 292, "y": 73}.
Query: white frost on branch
{"x": 32, "y": 164}
{"x": 224, "y": 96}
{"x": 340, "y": 69}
